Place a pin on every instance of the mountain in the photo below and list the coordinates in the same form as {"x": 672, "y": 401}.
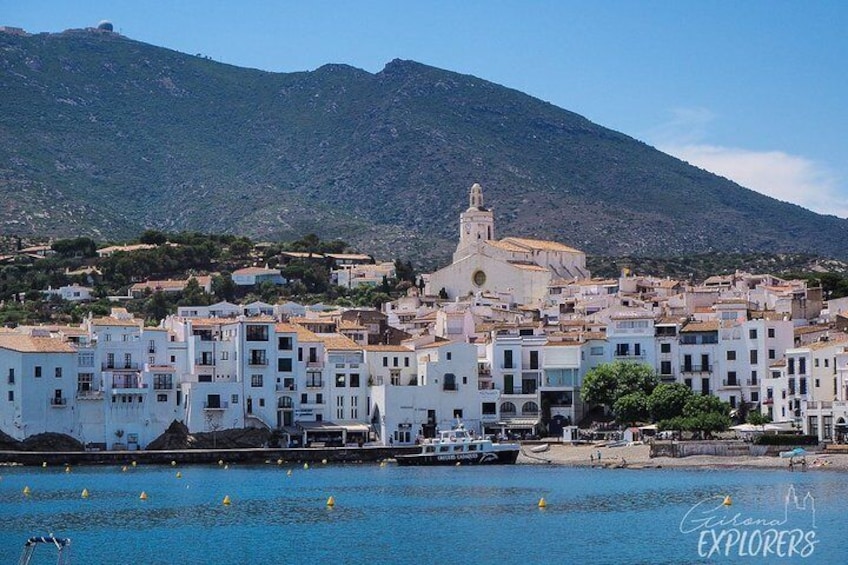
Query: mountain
{"x": 104, "y": 136}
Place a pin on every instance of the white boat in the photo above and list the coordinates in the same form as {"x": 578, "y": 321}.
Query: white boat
{"x": 62, "y": 546}
{"x": 540, "y": 448}
{"x": 458, "y": 445}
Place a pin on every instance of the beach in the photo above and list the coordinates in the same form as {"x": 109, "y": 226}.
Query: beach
{"x": 638, "y": 457}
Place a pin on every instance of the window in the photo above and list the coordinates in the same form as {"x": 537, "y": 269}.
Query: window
{"x": 489, "y": 409}
{"x": 665, "y": 367}
{"x": 11, "y": 396}
{"x": 755, "y": 396}
{"x": 11, "y": 376}
{"x": 816, "y": 362}
{"x": 534, "y": 359}
{"x": 731, "y": 378}
{"x": 262, "y": 403}
{"x": 802, "y": 365}
{"x": 752, "y": 334}
{"x": 457, "y": 413}
{"x": 163, "y": 382}
{"x": 731, "y": 356}
{"x": 449, "y": 355}
{"x": 256, "y": 381}
{"x": 395, "y": 361}
{"x": 771, "y": 332}
{"x": 256, "y": 333}
{"x": 354, "y": 380}
{"x": 665, "y": 348}
{"x": 84, "y": 382}
{"x": 340, "y": 407}
{"x": 285, "y": 343}
{"x": 507, "y": 359}
{"x": 790, "y": 366}
{"x": 161, "y": 397}
{"x": 406, "y": 361}
{"x": 772, "y": 354}
{"x": 257, "y": 357}
{"x": 340, "y": 380}
{"x": 752, "y": 355}
{"x": 128, "y": 361}
{"x": 385, "y": 361}
{"x": 319, "y": 398}
{"x": 225, "y": 355}
{"x": 234, "y": 399}
{"x": 753, "y": 378}
{"x": 508, "y": 409}
{"x": 313, "y": 354}
{"x": 449, "y": 382}
{"x": 597, "y": 350}
{"x": 37, "y": 371}
{"x": 86, "y": 359}
{"x": 284, "y": 365}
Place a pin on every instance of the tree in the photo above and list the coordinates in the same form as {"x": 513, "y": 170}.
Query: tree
{"x": 758, "y": 418}
{"x": 668, "y": 400}
{"x": 631, "y": 407}
{"x": 607, "y": 382}
{"x": 223, "y": 287}
{"x": 153, "y": 237}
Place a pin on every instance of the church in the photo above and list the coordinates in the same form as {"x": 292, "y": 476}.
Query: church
{"x": 518, "y": 266}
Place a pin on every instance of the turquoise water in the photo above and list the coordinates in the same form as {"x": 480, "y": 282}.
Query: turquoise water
{"x": 404, "y": 515}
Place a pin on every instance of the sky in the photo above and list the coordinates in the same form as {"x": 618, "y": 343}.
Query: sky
{"x": 756, "y": 91}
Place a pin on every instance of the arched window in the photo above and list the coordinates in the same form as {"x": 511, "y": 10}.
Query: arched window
{"x": 530, "y": 408}
{"x": 508, "y": 409}
{"x": 285, "y": 402}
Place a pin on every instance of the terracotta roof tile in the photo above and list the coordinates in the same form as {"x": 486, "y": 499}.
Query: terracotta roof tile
{"x": 29, "y": 344}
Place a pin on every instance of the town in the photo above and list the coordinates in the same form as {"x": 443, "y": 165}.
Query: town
{"x": 499, "y": 339}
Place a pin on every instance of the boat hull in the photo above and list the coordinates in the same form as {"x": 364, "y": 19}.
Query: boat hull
{"x": 500, "y": 457}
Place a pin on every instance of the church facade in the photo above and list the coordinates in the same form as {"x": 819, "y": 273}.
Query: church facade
{"x": 518, "y": 266}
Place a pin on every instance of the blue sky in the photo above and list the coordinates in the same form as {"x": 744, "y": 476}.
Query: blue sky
{"x": 756, "y": 91}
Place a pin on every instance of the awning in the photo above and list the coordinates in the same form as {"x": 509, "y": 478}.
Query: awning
{"x": 513, "y": 423}
{"x": 336, "y": 427}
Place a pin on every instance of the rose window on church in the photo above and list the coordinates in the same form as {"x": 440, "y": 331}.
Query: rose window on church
{"x": 479, "y": 278}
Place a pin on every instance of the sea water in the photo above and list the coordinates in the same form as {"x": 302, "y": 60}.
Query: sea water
{"x": 444, "y": 515}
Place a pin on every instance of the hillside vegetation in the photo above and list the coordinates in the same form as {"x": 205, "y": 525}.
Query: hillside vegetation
{"x": 104, "y": 136}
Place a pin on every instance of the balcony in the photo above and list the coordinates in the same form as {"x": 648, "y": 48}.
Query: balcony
{"x": 280, "y": 387}
{"x": 221, "y": 405}
{"x": 752, "y": 382}
{"x": 629, "y": 355}
{"x": 314, "y": 364}
{"x": 450, "y": 386}
{"x": 257, "y": 362}
{"x": 58, "y": 402}
{"x": 731, "y": 383}
{"x": 89, "y": 395}
{"x": 314, "y": 384}
{"x": 204, "y": 362}
{"x": 696, "y": 368}
{"x": 119, "y": 366}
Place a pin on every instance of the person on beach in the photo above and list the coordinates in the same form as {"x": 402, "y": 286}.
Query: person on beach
{"x": 599, "y": 456}
{"x": 803, "y": 464}
{"x": 791, "y": 464}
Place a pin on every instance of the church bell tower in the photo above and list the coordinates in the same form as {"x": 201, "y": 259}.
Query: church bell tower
{"x": 476, "y": 225}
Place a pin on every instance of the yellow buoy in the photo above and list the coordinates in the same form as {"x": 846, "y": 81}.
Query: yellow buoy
{"x": 85, "y": 493}
{"x": 227, "y": 500}
{"x": 173, "y": 463}
{"x": 288, "y": 473}
{"x": 143, "y": 496}
{"x": 133, "y": 463}
{"x": 331, "y": 502}
{"x": 44, "y": 464}
{"x": 306, "y": 465}
{"x": 179, "y": 475}
{"x": 124, "y": 469}
{"x": 323, "y": 461}
{"x": 727, "y": 501}
{"x": 27, "y": 491}
{"x": 543, "y": 503}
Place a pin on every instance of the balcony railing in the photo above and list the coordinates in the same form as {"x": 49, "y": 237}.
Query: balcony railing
{"x": 280, "y": 387}
{"x": 696, "y": 368}
{"x": 118, "y": 366}
{"x": 314, "y": 384}
{"x": 258, "y": 362}
{"x": 89, "y": 394}
{"x": 314, "y": 364}
{"x": 450, "y": 386}
{"x": 222, "y": 405}
{"x": 58, "y": 402}
{"x": 731, "y": 383}
{"x": 630, "y": 355}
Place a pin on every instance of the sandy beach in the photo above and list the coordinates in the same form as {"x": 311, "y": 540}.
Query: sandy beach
{"x": 638, "y": 457}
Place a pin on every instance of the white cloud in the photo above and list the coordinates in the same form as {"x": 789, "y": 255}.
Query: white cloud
{"x": 791, "y": 178}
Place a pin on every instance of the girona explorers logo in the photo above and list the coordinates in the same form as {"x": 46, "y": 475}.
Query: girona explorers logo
{"x": 723, "y": 532}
